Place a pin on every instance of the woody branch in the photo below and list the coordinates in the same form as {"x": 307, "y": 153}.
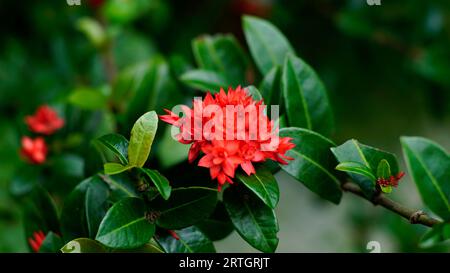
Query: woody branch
{"x": 414, "y": 216}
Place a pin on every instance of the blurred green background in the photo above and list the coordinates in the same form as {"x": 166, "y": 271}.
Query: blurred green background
{"x": 387, "y": 69}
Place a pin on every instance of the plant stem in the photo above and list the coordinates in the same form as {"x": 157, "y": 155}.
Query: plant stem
{"x": 414, "y": 216}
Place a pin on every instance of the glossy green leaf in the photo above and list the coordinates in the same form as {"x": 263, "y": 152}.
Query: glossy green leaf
{"x": 82, "y": 203}
{"x": 270, "y": 87}
{"x": 191, "y": 240}
{"x": 96, "y": 205}
{"x": 429, "y": 165}
{"x": 255, "y": 222}
{"x": 218, "y": 225}
{"x": 223, "y": 55}
{"x": 368, "y": 156}
{"x": 313, "y": 163}
{"x": 88, "y": 99}
{"x": 263, "y": 184}
{"x": 118, "y": 144}
{"x": 437, "y": 234}
{"x": 357, "y": 168}
{"x": 305, "y": 97}
{"x": 125, "y": 225}
{"x": 142, "y": 135}
{"x": 160, "y": 182}
{"x": 115, "y": 168}
{"x": 83, "y": 245}
{"x": 254, "y": 92}
{"x": 185, "y": 207}
{"x": 121, "y": 186}
{"x": 51, "y": 244}
{"x": 267, "y": 44}
{"x": 204, "y": 80}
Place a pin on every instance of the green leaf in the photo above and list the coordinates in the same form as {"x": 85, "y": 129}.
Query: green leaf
{"x": 437, "y": 234}
{"x": 88, "y": 99}
{"x": 125, "y": 225}
{"x": 121, "y": 186}
{"x": 313, "y": 163}
{"x": 218, "y": 225}
{"x": 96, "y": 205}
{"x": 81, "y": 204}
{"x": 191, "y": 240}
{"x": 270, "y": 86}
{"x": 83, "y": 245}
{"x": 142, "y": 135}
{"x": 368, "y": 156}
{"x": 93, "y": 31}
{"x": 255, "y": 222}
{"x": 223, "y": 55}
{"x": 204, "y": 80}
{"x": 254, "y": 92}
{"x": 384, "y": 171}
{"x": 185, "y": 207}
{"x": 160, "y": 182}
{"x": 115, "y": 168}
{"x": 267, "y": 44}
{"x": 357, "y": 168}
{"x": 51, "y": 244}
{"x": 429, "y": 165}
{"x": 118, "y": 144}
{"x": 263, "y": 184}
{"x": 305, "y": 97}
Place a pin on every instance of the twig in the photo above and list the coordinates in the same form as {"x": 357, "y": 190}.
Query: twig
{"x": 414, "y": 216}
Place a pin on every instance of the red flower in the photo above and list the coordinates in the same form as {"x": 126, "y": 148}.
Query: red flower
{"x": 36, "y": 241}
{"x": 45, "y": 121}
{"x": 392, "y": 181}
{"x": 231, "y": 130}
{"x": 35, "y": 151}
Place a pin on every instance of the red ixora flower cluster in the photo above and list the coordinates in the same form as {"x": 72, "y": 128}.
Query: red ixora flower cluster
{"x": 36, "y": 241}
{"x": 222, "y": 154}
{"x": 46, "y": 122}
{"x": 392, "y": 181}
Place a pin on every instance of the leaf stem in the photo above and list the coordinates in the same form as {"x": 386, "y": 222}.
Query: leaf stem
{"x": 414, "y": 216}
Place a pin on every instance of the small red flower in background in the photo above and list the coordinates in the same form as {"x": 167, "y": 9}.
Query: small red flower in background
{"x": 36, "y": 241}
{"x": 392, "y": 181}
{"x": 45, "y": 121}
{"x": 35, "y": 151}
{"x": 96, "y": 3}
{"x": 223, "y": 155}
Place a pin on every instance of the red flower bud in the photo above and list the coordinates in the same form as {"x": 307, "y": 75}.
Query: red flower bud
{"x": 45, "y": 121}
{"x": 35, "y": 151}
{"x": 36, "y": 241}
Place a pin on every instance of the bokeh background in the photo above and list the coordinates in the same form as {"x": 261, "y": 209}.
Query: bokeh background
{"x": 386, "y": 67}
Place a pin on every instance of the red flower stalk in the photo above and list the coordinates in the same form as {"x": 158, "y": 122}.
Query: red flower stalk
{"x": 231, "y": 130}
{"x": 173, "y": 234}
{"x": 392, "y": 181}
{"x": 36, "y": 241}
{"x": 35, "y": 151}
{"x": 45, "y": 121}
